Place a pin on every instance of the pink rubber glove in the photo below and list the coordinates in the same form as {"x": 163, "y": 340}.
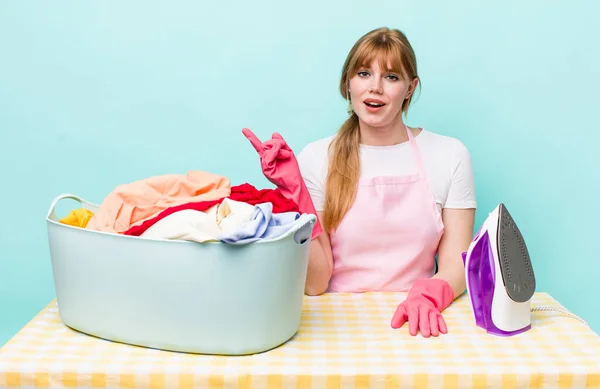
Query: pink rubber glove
{"x": 279, "y": 165}
{"x": 423, "y": 306}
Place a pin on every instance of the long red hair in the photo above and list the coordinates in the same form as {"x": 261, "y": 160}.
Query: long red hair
{"x": 388, "y": 47}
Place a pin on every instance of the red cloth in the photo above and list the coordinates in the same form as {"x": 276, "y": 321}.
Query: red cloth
{"x": 249, "y": 194}
{"x": 244, "y": 192}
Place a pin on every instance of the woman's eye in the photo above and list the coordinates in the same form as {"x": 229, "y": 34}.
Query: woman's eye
{"x": 393, "y": 77}
{"x": 363, "y": 74}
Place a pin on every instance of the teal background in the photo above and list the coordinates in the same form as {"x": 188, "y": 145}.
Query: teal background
{"x": 95, "y": 94}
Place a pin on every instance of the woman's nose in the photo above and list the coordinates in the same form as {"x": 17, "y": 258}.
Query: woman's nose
{"x": 375, "y": 86}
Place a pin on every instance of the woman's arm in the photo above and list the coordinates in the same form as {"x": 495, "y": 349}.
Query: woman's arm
{"x": 320, "y": 263}
{"x": 458, "y": 234}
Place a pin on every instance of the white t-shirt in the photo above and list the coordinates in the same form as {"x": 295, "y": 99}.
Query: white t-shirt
{"x": 446, "y": 160}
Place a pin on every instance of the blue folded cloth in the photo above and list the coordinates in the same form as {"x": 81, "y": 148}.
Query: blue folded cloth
{"x": 264, "y": 225}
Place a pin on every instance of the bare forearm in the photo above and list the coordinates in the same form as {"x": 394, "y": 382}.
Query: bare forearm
{"x": 456, "y": 240}
{"x": 320, "y": 266}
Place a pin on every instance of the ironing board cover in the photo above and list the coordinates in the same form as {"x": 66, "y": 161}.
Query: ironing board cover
{"x": 345, "y": 341}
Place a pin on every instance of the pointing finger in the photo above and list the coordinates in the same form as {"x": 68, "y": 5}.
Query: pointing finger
{"x": 256, "y": 143}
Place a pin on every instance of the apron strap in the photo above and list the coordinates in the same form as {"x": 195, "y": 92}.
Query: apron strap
{"x": 417, "y": 154}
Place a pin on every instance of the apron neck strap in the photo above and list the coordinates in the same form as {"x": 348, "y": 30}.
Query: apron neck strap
{"x": 417, "y": 154}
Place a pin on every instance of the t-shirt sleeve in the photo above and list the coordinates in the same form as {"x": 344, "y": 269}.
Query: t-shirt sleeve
{"x": 311, "y": 167}
{"x": 462, "y": 184}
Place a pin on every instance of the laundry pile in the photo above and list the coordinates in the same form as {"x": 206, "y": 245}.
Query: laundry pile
{"x": 203, "y": 207}
{"x": 198, "y": 206}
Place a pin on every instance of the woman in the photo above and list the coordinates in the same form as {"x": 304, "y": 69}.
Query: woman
{"x": 388, "y": 197}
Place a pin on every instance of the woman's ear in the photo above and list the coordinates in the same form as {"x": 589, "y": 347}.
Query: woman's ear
{"x": 412, "y": 87}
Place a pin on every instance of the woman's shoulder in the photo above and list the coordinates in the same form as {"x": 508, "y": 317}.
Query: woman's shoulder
{"x": 313, "y": 164}
{"x": 315, "y": 152}
{"x": 317, "y": 147}
{"x": 440, "y": 144}
{"x": 437, "y": 138}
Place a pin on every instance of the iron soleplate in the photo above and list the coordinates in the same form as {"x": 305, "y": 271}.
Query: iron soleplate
{"x": 515, "y": 263}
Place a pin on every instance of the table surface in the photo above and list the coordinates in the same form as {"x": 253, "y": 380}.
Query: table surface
{"x": 345, "y": 341}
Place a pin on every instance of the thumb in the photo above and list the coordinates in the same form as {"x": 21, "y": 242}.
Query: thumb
{"x": 400, "y": 317}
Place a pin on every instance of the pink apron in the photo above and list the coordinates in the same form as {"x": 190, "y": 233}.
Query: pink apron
{"x": 389, "y": 237}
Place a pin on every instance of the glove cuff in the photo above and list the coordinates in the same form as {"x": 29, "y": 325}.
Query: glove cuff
{"x": 436, "y": 290}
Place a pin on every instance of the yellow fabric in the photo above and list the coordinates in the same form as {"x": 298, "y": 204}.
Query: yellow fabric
{"x": 231, "y": 214}
{"x": 345, "y": 341}
{"x": 78, "y": 217}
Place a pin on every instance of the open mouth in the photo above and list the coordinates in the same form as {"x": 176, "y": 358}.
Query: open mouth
{"x": 374, "y": 103}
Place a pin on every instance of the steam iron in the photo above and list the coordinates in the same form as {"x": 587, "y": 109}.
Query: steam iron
{"x": 499, "y": 276}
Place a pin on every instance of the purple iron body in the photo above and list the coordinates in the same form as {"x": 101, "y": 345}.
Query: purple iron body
{"x": 499, "y": 276}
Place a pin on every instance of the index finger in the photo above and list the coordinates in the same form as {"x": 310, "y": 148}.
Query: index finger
{"x": 256, "y": 143}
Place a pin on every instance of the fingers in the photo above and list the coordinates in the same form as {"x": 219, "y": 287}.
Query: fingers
{"x": 424, "y": 325}
{"x": 399, "y": 317}
{"x": 276, "y": 137}
{"x": 429, "y": 322}
{"x": 277, "y": 150}
{"x": 413, "y": 320}
{"x": 442, "y": 324}
{"x": 433, "y": 323}
{"x": 270, "y": 155}
{"x": 256, "y": 143}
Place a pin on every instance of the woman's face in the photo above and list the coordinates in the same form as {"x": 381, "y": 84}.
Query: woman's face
{"x": 377, "y": 95}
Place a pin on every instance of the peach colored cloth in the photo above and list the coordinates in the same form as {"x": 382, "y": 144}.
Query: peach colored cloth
{"x": 130, "y": 204}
